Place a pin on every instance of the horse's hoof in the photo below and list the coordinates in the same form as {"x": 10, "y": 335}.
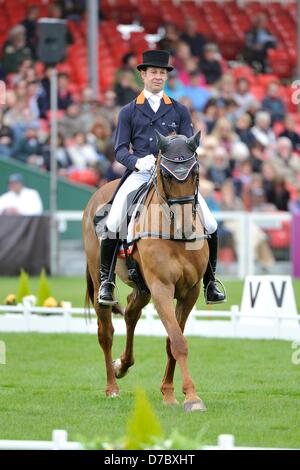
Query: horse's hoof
{"x": 112, "y": 394}
{"x": 171, "y": 402}
{"x": 117, "y": 364}
{"x": 194, "y": 405}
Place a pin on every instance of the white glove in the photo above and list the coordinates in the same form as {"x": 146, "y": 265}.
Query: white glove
{"x": 146, "y": 163}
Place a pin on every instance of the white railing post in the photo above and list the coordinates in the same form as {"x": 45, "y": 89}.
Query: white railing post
{"x": 242, "y": 247}
{"x": 226, "y": 442}
{"x": 59, "y": 439}
{"x": 234, "y": 310}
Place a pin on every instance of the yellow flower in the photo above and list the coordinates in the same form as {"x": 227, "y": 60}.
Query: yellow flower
{"x": 10, "y": 300}
{"x": 50, "y": 302}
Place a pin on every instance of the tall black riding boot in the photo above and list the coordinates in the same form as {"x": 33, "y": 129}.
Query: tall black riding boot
{"x": 212, "y": 294}
{"x": 109, "y": 252}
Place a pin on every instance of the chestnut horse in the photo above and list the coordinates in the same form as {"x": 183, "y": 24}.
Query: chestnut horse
{"x": 172, "y": 269}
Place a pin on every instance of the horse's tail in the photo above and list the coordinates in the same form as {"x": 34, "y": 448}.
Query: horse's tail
{"x": 89, "y": 294}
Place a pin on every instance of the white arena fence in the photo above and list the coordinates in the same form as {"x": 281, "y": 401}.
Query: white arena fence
{"x": 218, "y": 324}
{"x": 60, "y": 442}
{"x": 246, "y": 221}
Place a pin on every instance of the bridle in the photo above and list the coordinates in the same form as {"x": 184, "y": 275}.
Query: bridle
{"x": 171, "y": 167}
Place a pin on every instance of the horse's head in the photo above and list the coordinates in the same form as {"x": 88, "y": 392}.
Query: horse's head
{"x": 178, "y": 168}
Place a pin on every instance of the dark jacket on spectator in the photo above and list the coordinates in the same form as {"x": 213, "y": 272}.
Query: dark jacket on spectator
{"x": 211, "y": 70}
{"x": 196, "y": 43}
{"x": 294, "y": 138}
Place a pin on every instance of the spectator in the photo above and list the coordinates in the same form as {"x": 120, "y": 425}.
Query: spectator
{"x": 257, "y": 42}
{"x": 6, "y": 142}
{"x": 258, "y": 155}
{"x": 19, "y": 119}
{"x": 33, "y": 93}
{"x": 286, "y": 163}
{"x": 210, "y": 64}
{"x": 225, "y": 134}
{"x": 273, "y": 104}
{"x": 243, "y": 96}
{"x": 25, "y": 72}
{"x": 15, "y": 50}
{"x": 225, "y": 89}
{"x": 206, "y": 152}
{"x": 182, "y": 57}
{"x": 20, "y": 200}
{"x": 278, "y": 195}
{"x": 262, "y": 131}
{"x": 108, "y": 108}
{"x": 239, "y": 153}
{"x": 229, "y": 201}
{"x": 269, "y": 175}
{"x": 170, "y": 39}
{"x": 195, "y": 40}
{"x": 29, "y": 149}
{"x": 191, "y": 66}
{"x": 242, "y": 177}
{"x": 125, "y": 89}
{"x": 210, "y": 114}
{"x": 30, "y": 23}
{"x": 198, "y": 95}
{"x": 63, "y": 159}
{"x": 129, "y": 62}
{"x": 290, "y": 133}
{"x": 219, "y": 171}
{"x": 253, "y": 194}
{"x": 99, "y": 135}
{"x": 65, "y": 97}
{"x": 82, "y": 154}
{"x": 174, "y": 88}
{"x": 72, "y": 121}
{"x": 242, "y": 128}
{"x": 90, "y": 108}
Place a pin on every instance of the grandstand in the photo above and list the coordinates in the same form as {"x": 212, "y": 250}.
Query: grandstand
{"x": 128, "y": 27}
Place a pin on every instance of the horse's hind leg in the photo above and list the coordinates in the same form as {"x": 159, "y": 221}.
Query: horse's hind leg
{"x": 167, "y": 386}
{"x": 105, "y": 338}
{"x": 135, "y": 303}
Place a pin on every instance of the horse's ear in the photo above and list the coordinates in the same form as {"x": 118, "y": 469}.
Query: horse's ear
{"x": 162, "y": 141}
{"x": 194, "y": 141}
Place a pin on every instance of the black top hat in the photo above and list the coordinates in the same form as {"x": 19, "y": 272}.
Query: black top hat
{"x": 156, "y": 59}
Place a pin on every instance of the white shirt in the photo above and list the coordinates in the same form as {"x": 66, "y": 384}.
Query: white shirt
{"x": 27, "y": 202}
{"x": 154, "y": 99}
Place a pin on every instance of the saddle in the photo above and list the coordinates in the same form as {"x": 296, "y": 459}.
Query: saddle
{"x": 135, "y": 198}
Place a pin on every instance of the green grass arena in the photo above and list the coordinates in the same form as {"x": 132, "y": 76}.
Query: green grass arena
{"x": 251, "y": 387}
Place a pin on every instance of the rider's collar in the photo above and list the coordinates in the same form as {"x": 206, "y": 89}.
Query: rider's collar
{"x": 142, "y": 96}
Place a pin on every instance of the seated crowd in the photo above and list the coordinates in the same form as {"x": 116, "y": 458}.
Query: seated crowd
{"x": 249, "y": 149}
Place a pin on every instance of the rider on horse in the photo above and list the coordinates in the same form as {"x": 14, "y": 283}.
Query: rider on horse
{"x": 151, "y": 110}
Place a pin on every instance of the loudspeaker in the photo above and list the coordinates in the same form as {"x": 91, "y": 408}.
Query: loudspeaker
{"x": 51, "y": 46}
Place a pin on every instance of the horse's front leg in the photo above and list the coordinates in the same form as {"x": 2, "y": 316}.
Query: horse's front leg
{"x": 163, "y": 295}
{"x": 183, "y": 308}
{"x": 135, "y": 303}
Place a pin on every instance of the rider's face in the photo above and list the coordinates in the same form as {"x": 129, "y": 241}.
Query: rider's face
{"x": 154, "y": 78}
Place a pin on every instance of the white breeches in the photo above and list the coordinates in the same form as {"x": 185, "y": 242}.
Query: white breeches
{"x": 119, "y": 207}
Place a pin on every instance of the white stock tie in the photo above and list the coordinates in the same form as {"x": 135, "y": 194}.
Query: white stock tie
{"x": 154, "y": 101}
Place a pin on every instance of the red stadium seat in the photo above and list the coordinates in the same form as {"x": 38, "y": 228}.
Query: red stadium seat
{"x": 280, "y": 238}
{"x": 87, "y": 176}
